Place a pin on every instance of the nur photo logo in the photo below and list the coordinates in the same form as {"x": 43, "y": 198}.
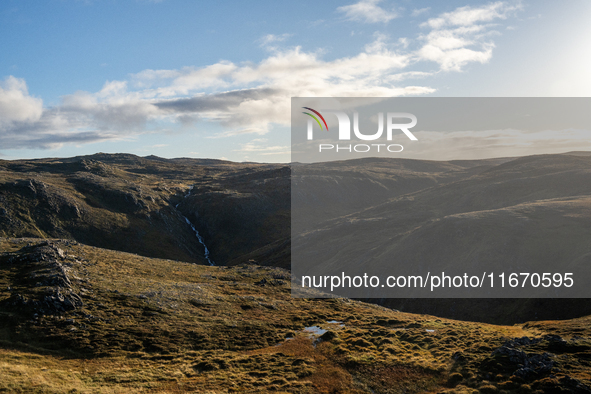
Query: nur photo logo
{"x": 344, "y": 130}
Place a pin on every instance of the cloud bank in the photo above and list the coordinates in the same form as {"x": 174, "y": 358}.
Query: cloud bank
{"x": 252, "y": 97}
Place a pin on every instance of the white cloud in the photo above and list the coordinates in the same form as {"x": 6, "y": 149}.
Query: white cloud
{"x": 251, "y": 97}
{"x": 117, "y": 111}
{"x": 288, "y": 73}
{"x": 269, "y": 39}
{"x": 462, "y": 36}
{"x": 404, "y": 42}
{"x": 24, "y": 123}
{"x": 467, "y": 16}
{"x": 420, "y": 11}
{"x": 16, "y": 105}
{"x": 367, "y": 11}
{"x": 82, "y": 117}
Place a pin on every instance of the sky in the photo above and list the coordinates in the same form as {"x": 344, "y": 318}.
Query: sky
{"x": 183, "y": 78}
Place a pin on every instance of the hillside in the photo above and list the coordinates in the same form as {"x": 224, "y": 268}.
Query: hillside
{"x": 467, "y": 211}
{"x": 531, "y": 212}
{"x": 77, "y": 318}
{"x": 242, "y": 210}
{"x": 141, "y": 205}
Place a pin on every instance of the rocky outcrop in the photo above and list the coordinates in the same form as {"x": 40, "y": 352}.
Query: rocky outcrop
{"x": 48, "y": 279}
{"x": 531, "y": 360}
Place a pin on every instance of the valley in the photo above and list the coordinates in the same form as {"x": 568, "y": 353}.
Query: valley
{"x": 121, "y": 273}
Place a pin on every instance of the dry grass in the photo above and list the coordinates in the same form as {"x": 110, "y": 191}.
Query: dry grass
{"x": 150, "y": 325}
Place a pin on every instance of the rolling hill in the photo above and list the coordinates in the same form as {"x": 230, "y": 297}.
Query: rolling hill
{"x": 532, "y": 213}
{"x": 531, "y": 209}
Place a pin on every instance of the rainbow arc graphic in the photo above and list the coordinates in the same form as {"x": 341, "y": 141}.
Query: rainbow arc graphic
{"x": 315, "y": 118}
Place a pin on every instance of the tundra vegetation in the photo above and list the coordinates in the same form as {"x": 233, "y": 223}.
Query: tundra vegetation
{"x": 105, "y": 289}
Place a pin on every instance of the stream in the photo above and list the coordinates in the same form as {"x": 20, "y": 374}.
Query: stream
{"x": 199, "y": 237}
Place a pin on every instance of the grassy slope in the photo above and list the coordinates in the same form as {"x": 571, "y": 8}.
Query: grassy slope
{"x": 150, "y": 325}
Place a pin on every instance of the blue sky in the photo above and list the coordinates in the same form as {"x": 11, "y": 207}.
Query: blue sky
{"x": 214, "y": 79}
